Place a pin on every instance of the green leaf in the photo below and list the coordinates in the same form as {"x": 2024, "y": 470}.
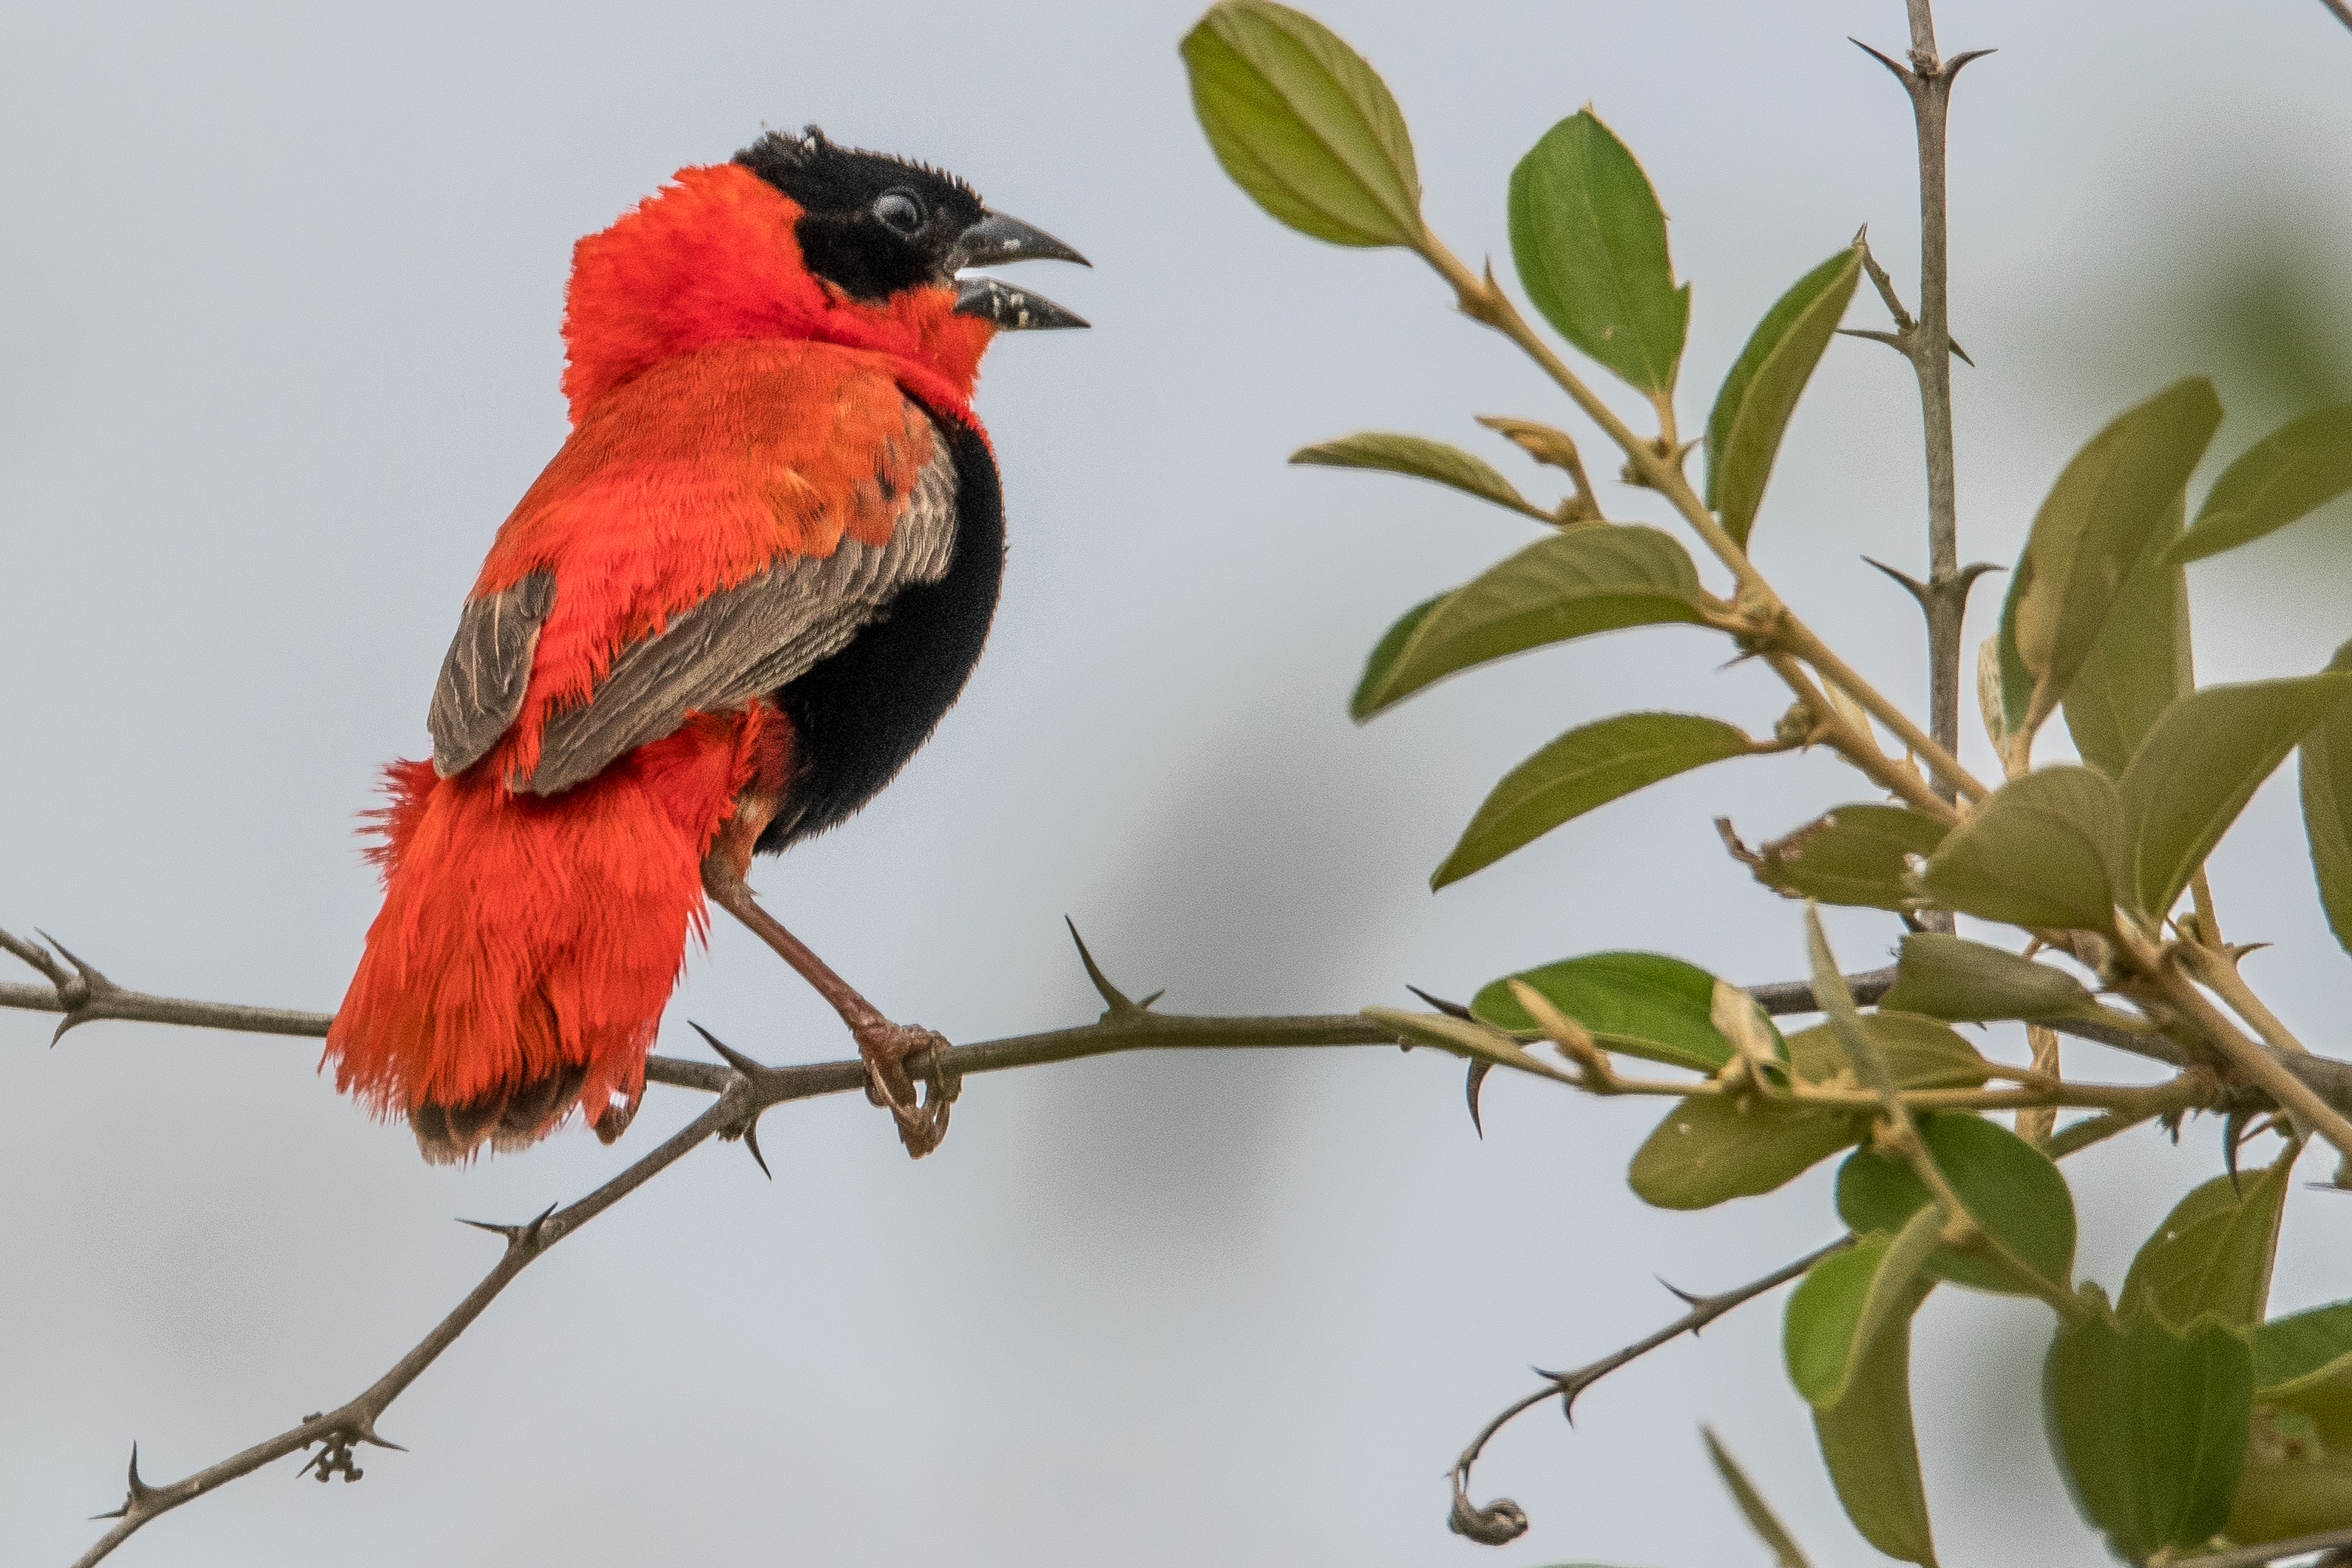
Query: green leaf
{"x": 2149, "y": 1424}
{"x": 1586, "y": 768}
{"x": 2041, "y": 851}
{"x": 1869, "y": 1446}
{"x": 2107, "y": 509}
{"x": 2009, "y": 1185}
{"x": 1569, "y": 585}
{"x": 2327, "y": 768}
{"x": 1714, "y": 1147}
{"x": 1384, "y": 656}
{"x": 2213, "y": 1253}
{"x": 2139, "y": 664}
{"x": 1422, "y": 459}
{"x": 2200, "y": 766}
{"x": 1856, "y": 855}
{"x": 2294, "y": 470}
{"x": 1751, "y": 412}
{"x": 1919, "y": 1053}
{"x": 1752, "y": 1506}
{"x": 1589, "y": 241}
{"x": 2303, "y": 1362}
{"x": 1303, "y": 125}
{"x": 1642, "y": 1004}
{"x": 1969, "y": 982}
{"x": 2304, "y": 1352}
{"x": 1847, "y": 1301}
{"x": 2295, "y": 1482}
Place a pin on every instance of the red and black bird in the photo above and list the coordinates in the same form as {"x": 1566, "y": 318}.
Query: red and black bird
{"x": 737, "y": 600}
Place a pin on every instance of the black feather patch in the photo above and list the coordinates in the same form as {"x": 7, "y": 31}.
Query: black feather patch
{"x": 842, "y": 238}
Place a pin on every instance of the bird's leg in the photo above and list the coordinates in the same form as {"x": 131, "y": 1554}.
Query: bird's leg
{"x": 885, "y": 1046}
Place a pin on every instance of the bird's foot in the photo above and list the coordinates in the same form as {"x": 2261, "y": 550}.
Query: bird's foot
{"x": 888, "y": 1049}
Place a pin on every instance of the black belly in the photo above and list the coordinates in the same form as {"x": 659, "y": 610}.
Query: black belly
{"x": 858, "y": 716}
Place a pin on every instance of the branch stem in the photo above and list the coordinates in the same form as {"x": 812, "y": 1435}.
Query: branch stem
{"x": 2166, "y": 975}
{"x": 1775, "y": 625}
{"x": 355, "y": 1422}
{"x": 1567, "y": 1385}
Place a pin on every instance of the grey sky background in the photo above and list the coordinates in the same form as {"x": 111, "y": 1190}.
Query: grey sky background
{"x": 277, "y": 307}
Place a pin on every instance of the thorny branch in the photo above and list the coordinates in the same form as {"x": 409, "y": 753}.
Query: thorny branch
{"x": 354, "y": 1422}
{"x": 745, "y": 1088}
{"x": 1927, "y": 342}
{"x": 1503, "y": 1519}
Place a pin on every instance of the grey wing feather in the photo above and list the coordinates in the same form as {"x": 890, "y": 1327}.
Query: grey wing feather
{"x": 486, "y": 671}
{"x": 752, "y": 638}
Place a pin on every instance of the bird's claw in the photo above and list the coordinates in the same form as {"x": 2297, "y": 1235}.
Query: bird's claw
{"x": 886, "y": 1049}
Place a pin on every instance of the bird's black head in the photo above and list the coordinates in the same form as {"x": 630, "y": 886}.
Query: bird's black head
{"x": 875, "y": 224}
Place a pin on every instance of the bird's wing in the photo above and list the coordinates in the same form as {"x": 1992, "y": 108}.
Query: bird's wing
{"x": 750, "y": 639}
{"x": 487, "y": 671}
{"x": 619, "y": 615}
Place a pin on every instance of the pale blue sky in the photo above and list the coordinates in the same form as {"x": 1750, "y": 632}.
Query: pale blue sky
{"x": 277, "y": 310}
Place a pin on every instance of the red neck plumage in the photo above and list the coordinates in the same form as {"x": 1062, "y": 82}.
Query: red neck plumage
{"x": 710, "y": 259}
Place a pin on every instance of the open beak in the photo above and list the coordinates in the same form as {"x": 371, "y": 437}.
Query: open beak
{"x": 998, "y": 238}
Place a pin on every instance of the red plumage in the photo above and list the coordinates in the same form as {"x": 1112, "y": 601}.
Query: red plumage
{"x": 730, "y": 411}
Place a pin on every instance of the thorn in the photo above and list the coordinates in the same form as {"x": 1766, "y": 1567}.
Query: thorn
{"x": 751, "y": 1141}
{"x": 1478, "y": 1070}
{"x": 526, "y": 1232}
{"x": 2233, "y": 1133}
{"x": 1902, "y": 73}
{"x": 1678, "y": 1294}
{"x": 1919, "y": 589}
{"x": 1862, "y": 237}
{"x": 1952, "y": 66}
{"x": 365, "y": 1433}
{"x": 1154, "y": 997}
{"x": 1118, "y": 1005}
{"x": 734, "y": 1058}
{"x": 88, "y": 971}
{"x": 80, "y": 992}
{"x": 139, "y": 1491}
{"x": 1961, "y": 354}
{"x": 1451, "y": 1009}
{"x": 1891, "y": 340}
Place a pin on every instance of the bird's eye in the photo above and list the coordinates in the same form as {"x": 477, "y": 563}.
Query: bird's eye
{"x": 900, "y": 211}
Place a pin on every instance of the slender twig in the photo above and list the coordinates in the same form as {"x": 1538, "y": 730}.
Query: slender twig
{"x": 2327, "y": 1077}
{"x": 2037, "y": 1123}
{"x": 2163, "y": 977}
{"x": 1493, "y": 1524}
{"x": 2208, "y": 924}
{"x": 354, "y": 1422}
{"x": 1771, "y": 623}
{"x": 2342, "y": 10}
{"x": 2272, "y": 1551}
{"x": 1927, "y": 342}
{"x": 2217, "y": 970}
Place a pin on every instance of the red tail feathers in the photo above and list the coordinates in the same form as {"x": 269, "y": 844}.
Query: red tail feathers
{"x": 527, "y": 947}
